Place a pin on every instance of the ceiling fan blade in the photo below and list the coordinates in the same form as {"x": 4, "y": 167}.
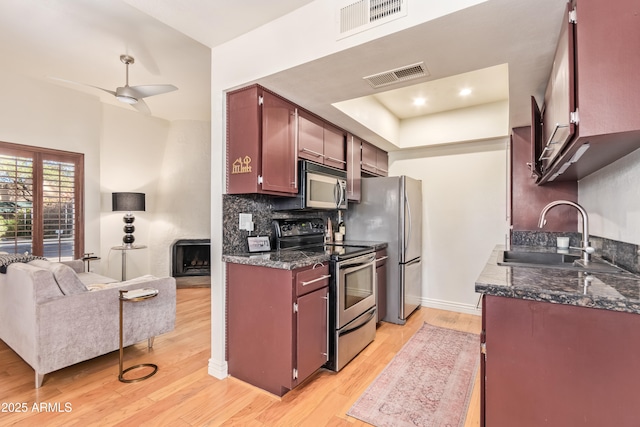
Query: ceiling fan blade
{"x": 142, "y": 107}
{"x": 144, "y": 91}
{"x": 83, "y": 84}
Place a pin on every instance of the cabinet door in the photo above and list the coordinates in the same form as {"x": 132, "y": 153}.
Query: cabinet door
{"x": 369, "y": 158}
{"x": 559, "y": 98}
{"x": 334, "y": 149}
{"x": 354, "y": 174}
{"x": 310, "y": 138}
{"x": 312, "y": 332}
{"x": 382, "y": 162}
{"x": 279, "y": 152}
{"x": 381, "y": 281}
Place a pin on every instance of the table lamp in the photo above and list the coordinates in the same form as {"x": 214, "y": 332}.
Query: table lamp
{"x": 128, "y": 202}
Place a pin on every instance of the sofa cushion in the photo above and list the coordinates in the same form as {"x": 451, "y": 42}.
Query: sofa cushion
{"x": 95, "y": 279}
{"x": 65, "y": 276}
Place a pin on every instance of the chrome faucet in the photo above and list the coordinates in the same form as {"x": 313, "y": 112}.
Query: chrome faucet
{"x": 586, "y": 248}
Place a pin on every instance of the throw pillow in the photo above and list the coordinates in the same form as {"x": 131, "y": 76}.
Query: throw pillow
{"x": 67, "y": 279}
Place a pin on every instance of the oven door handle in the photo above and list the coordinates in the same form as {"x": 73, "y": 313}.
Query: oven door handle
{"x": 361, "y": 323}
{"x": 359, "y": 266}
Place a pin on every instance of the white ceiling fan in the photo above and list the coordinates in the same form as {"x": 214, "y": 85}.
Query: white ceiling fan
{"x": 133, "y": 95}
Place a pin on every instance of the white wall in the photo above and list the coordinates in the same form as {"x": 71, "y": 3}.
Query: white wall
{"x": 37, "y": 113}
{"x": 132, "y": 151}
{"x": 611, "y": 197}
{"x": 486, "y": 121}
{"x": 182, "y": 208}
{"x": 464, "y": 215}
{"x": 169, "y": 162}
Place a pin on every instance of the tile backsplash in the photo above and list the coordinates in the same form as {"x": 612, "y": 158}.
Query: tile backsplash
{"x": 620, "y": 253}
{"x": 260, "y": 206}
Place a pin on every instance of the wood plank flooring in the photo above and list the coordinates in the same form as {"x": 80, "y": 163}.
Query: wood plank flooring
{"x": 182, "y": 393}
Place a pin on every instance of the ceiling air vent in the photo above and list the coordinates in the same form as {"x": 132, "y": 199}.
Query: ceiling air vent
{"x": 364, "y": 14}
{"x": 398, "y": 75}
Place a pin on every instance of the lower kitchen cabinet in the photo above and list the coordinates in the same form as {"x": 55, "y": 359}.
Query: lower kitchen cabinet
{"x": 558, "y": 365}
{"x": 277, "y": 324}
{"x": 381, "y": 283}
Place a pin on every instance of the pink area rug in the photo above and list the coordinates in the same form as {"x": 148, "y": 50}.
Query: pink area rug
{"x": 428, "y": 383}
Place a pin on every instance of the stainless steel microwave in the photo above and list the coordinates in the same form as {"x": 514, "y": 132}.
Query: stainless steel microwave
{"x": 321, "y": 187}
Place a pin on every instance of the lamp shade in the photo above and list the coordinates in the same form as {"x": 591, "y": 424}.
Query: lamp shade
{"x": 127, "y": 202}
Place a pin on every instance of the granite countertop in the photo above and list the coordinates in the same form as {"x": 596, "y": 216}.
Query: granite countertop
{"x": 608, "y": 291}
{"x": 293, "y": 258}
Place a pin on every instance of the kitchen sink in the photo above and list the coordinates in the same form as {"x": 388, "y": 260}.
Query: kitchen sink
{"x": 554, "y": 260}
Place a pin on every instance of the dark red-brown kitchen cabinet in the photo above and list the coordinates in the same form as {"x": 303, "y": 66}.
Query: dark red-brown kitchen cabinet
{"x": 320, "y": 142}
{"x": 277, "y": 324}
{"x": 261, "y": 149}
{"x": 558, "y": 365}
{"x": 310, "y": 137}
{"x": 381, "y": 283}
{"x": 334, "y": 147}
{"x": 374, "y": 160}
{"x": 593, "y": 89}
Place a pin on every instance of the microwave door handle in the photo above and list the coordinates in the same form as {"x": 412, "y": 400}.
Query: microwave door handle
{"x": 341, "y": 193}
{"x": 336, "y": 193}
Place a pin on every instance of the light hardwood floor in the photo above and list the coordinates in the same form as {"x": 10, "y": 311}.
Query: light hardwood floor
{"x": 183, "y": 394}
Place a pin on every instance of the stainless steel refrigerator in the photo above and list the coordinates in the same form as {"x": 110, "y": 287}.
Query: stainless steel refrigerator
{"x": 390, "y": 210}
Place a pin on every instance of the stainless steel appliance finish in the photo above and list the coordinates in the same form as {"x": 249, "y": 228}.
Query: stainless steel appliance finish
{"x": 348, "y": 341}
{"x": 355, "y": 280}
{"x": 321, "y": 187}
{"x": 352, "y": 291}
{"x": 390, "y": 210}
{"x": 352, "y": 313}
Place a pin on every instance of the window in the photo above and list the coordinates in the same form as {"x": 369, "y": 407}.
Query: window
{"x": 41, "y": 205}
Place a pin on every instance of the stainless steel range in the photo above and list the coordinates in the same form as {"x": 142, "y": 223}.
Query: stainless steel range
{"x": 352, "y": 292}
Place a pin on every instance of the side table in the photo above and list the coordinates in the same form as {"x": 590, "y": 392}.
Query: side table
{"x": 88, "y": 257}
{"x": 124, "y": 249}
{"x": 135, "y": 296}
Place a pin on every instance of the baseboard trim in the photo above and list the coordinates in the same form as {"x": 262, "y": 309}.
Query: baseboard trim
{"x": 218, "y": 369}
{"x": 451, "y": 306}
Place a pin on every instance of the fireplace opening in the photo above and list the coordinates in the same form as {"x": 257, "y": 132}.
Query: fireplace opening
{"x": 191, "y": 257}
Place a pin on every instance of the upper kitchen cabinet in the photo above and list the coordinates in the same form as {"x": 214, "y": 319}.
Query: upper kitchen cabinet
{"x": 320, "y": 142}
{"x": 590, "y": 114}
{"x": 310, "y": 138}
{"x": 334, "y": 147}
{"x": 374, "y": 160}
{"x": 261, "y": 143}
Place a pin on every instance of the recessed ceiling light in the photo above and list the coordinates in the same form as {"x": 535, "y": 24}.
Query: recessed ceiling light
{"x": 419, "y": 101}
{"x": 465, "y": 92}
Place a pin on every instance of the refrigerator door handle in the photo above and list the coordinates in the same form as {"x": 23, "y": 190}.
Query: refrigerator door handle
{"x": 408, "y": 207}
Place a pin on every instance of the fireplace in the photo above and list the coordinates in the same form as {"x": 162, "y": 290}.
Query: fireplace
{"x": 191, "y": 257}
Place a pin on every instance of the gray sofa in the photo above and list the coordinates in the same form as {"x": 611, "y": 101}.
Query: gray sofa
{"x": 54, "y": 315}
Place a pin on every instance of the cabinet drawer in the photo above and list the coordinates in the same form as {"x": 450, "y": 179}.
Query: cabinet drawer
{"x": 311, "y": 278}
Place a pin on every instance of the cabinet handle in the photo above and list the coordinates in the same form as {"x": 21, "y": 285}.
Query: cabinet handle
{"x": 326, "y": 276}
{"x": 369, "y": 164}
{"x": 551, "y": 141}
{"x": 383, "y": 170}
{"x": 382, "y": 258}
{"x": 333, "y": 159}
{"x": 326, "y": 353}
{"x": 313, "y": 153}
